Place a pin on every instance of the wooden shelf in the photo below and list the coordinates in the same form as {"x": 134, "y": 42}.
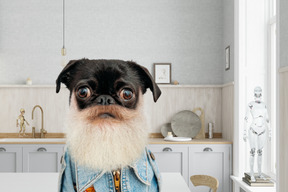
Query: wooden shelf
{"x": 160, "y": 85}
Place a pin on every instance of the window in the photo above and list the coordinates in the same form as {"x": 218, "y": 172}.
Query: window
{"x": 271, "y": 151}
{"x": 256, "y": 67}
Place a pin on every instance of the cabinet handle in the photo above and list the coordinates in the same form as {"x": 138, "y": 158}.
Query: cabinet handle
{"x": 42, "y": 149}
{"x": 167, "y": 149}
{"x": 2, "y": 149}
{"x": 207, "y": 149}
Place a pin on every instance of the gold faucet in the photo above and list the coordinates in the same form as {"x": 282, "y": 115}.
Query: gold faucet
{"x": 42, "y": 130}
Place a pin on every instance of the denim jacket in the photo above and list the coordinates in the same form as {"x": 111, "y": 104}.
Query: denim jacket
{"x": 141, "y": 176}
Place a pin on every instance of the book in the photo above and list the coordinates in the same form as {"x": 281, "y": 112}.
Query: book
{"x": 258, "y": 180}
{"x": 256, "y": 175}
{"x": 258, "y": 184}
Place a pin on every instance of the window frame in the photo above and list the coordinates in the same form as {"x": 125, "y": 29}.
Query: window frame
{"x": 272, "y": 88}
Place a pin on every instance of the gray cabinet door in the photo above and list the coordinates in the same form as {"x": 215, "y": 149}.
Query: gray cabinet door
{"x": 213, "y": 160}
{"x": 171, "y": 158}
{"x": 42, "y": 158}
{"x": 10, "y": 158}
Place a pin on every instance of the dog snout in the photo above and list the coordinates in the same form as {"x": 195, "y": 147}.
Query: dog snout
{"x": 105, "y": 100}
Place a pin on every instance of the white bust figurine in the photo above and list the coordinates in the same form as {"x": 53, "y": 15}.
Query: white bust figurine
{"x": 257, "y": 114}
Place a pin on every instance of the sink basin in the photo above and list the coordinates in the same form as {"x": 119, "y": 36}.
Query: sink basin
{"x": 24, "y": 140}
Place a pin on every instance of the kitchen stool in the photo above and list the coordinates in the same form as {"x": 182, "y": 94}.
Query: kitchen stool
{"x": 205, "y": 180}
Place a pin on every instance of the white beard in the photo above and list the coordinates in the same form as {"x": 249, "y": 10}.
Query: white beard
{"x": 106, "y": 144}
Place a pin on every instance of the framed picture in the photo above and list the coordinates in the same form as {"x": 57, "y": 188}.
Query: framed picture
{"x": 227, "y": 58}
{"x": 162, "y": 73}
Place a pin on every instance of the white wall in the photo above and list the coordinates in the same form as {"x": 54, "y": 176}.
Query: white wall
{"x": 187, "y": 33}
{"x": 283, "y": 132}
{"x": 283, "y": 27}
{"x": 283, "y": 91}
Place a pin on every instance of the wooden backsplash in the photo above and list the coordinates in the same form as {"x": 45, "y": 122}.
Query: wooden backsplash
{"x": 175, "y": 99}
{"x": 172, "y": 100}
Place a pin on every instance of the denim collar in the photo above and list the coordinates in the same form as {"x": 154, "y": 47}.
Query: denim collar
{"x": 142, "y": 169}
{"x": 87, "y": 177}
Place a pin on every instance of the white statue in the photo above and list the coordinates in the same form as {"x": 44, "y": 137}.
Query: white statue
{"x": 257, "y": 130}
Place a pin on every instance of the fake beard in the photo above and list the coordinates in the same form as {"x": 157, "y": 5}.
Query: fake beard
{"x": 106, "y": 143}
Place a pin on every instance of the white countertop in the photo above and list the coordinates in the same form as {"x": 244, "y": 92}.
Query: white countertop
{"x": 151, "y": 141}
{"x": 48, "y": 182}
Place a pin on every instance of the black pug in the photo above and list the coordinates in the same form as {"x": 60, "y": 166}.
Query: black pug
{"x": 106, "y": 127}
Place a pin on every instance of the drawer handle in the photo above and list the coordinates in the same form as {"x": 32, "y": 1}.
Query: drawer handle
{"x": 207, "y": 149}
{"x": 167, "y": 149}
{"x": 2, "y": 149}
{"x": 42, "y": 149}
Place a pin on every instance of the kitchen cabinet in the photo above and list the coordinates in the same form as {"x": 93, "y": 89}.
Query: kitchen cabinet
{"x": 30, "y": 157}
{"x": 171, "y": 158}
{"x": 213, "y": 160}
{"x": 211, "y": 157}
{"x": 194, "y": 159}
{"x": 42, "y": 158}
{"x": 10, "y": 158}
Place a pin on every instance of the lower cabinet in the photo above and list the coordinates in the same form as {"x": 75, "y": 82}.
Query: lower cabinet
{"x": 188, "y": 159}
{"x": 42, "y": 158}
{"x": 31, "y": 157}
{"x": 171, "y": 158}
{"x": 10, "y": 158}
{"x": 213, "y": 160}
{"x": 196, "y": 159}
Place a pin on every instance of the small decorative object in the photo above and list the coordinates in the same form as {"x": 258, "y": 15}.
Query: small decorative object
{"x": 20, "y": 121}
{"x": 186, "y": 124}
{"x": 28, "y": 81}
{"x": 169, "y": 134}
{"x": 165, "y": 129}
{"x": 162, "y": 73}
{"x": 176, "y": 82}
{"x": 227, "y": 58}
{"x": 210, "y": 130}
{"x": 257, "y": 121}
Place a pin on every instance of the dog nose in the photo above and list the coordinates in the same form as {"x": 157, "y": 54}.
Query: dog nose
{"x": 105, "y": 100}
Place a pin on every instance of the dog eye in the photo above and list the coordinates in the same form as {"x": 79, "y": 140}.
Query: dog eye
{"x": 83, "y": 92}
{"x": 126, "y": 94}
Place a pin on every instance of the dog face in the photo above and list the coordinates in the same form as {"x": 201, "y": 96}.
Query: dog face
{"x": 106, "y": 82}
{"x": 105, "y": 116}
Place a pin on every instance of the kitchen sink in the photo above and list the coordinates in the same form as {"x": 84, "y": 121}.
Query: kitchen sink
{"x": 33, "y": 140}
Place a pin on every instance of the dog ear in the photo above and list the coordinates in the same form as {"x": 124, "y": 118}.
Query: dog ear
{"x": 147, "y": 79}
{"x": 64, "y": 76}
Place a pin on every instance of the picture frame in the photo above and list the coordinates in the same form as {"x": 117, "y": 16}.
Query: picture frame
{"x": 227, "y": 58}
{"x": 162, "y": 73}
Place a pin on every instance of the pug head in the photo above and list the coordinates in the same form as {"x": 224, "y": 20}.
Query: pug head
{"x": 106, "y": 127}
